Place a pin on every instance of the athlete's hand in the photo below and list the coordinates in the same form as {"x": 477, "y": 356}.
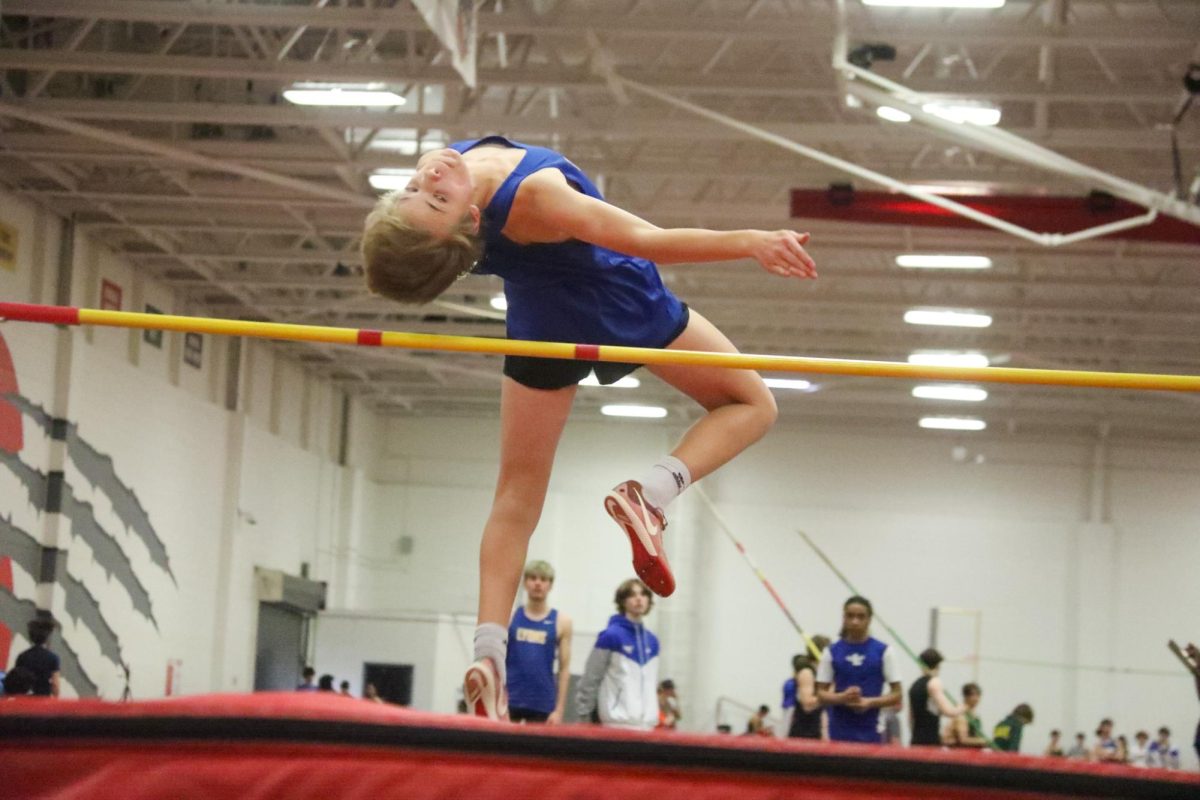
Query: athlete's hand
{"x": 852, "y": 695}
{"x": 555, "y": 717}
{"x": 782, "y": 253}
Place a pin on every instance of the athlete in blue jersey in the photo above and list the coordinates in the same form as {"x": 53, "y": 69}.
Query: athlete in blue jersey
{"x": 538, "y": 637}
{"x": 856, "y": 677}
{"x": 575, "y": 269}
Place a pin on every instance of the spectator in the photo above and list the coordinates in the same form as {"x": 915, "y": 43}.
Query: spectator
{"x": 539, "y": 637}
{"x": 1105, "y": 748}
{"x": 307, "y": 685}
{"x": 39, "y": 659}
{"x": 788, "y": 703}
{"x": 1139, "y": 754}
{"x": 344, "y": 689}
{"x": 325, "y": 684}
{"x": 1162, "y": 753}
{"x": 966, "y": 730}
{"x": 889, "y": 724}
{"x": 371, "y": 694}
{"x": 927, "y": 701}
{"x": 1193, "y": 654}
{"x": 18, "y": 682}
{"x": 1079, "y": 749}
{"x": 1122, "y": 750}
{"x": 668, "y": 706}
{"x": 1054, "y": 749}
{"x": 807, "y": 716}
{"x": 856, "y": 677}
{"x": 620, "y": 680}
{"x": 757, "y": 724}
{"x": 1007, "y": 735}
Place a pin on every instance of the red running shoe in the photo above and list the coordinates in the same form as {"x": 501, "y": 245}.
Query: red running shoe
{"x": 482, "y": 690}
{"x": 643, "y": 524}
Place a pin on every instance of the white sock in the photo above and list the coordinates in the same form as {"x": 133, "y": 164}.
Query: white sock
{"x": 666, "y": 480}
{"x": 491, "y": 641}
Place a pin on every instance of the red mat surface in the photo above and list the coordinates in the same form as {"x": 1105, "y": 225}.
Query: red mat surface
{"x": 316, "y": 747}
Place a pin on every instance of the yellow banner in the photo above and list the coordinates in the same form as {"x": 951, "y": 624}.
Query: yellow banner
{"x": 8, "y": 247}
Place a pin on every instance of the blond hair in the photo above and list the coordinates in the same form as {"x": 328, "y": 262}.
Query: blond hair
{"x": 540, "y": 569}
{"x": 411, "y": 265}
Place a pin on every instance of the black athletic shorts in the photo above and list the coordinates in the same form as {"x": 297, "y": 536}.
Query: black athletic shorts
{"x": 555, "y": 373}
{"x": 527, "y": 715}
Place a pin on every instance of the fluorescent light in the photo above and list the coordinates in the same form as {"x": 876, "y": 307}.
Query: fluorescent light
{"x": 942, "y": 391}
{"x": 972, "y": 113}
{"x": 892, "y": 114}
{"x": 952, "y": 423}
{"x": 956, "y": 188}
{"x": 499, "y": 302}
{"x": 647, "y": 412}
{"x": 948, "y": 359}
{"x": 958, "y": 319}
{"x": 370, "y": 94}
{"x": 919, "y": 261}
{"x": 852, "y": 101}
{"x": 387, "y": 180}
{"x": 627, "y": 382}
{"x": 936, "y": 3}
{"x": 788, "y": 383}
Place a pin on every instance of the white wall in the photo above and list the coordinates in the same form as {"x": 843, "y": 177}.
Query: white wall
{"x": 224, "y": 490}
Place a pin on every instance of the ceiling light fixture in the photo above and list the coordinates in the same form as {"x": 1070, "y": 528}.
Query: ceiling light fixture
{"x": 789, "y": 383}
{"x": 948, "y": 358}
{"x": 644, "y": 412}
{"x": 935, "y": 3}
{"x": 941, "y": 316}
{"x": 499, "y": 302}
{"x": 919, "y": 261}
{"x": 940, "y": 391}
{"x": 627, "y": 382}
{"x": 892, "y": 114}
{"x": 953, "y": 423}
{"x": 965, "y": 113}
{"x": 344, "y": 94}
{"x": 387, "y": 180}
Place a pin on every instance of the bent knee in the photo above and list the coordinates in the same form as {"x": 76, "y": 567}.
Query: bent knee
{"x": 766, "y": 410}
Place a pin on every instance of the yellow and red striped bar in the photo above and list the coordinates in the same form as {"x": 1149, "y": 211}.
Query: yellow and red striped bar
{"x": 61, "y": 315}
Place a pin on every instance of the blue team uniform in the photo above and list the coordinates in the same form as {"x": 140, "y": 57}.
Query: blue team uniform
{"x": 856, "y": 664}
{"x": 571, "y": 291}
{"x": 532, "y": 645}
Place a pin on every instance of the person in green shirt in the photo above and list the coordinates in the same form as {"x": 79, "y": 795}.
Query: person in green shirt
{"x": 1007, "y": 735}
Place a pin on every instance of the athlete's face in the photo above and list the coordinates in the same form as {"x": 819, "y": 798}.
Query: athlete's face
{"x": 856, "y": 621}
{"x": 971, "y": 699}
{"x": 439, "y": 194}
{"x": 537, "y": 587}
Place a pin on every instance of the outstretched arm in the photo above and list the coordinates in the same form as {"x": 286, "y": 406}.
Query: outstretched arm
{"x": 549, "y": 209}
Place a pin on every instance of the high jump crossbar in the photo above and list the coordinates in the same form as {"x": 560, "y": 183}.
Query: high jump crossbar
{"x": 67, "y": 315}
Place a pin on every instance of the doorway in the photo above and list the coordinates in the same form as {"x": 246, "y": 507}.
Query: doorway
{"x": 280, "y": 649}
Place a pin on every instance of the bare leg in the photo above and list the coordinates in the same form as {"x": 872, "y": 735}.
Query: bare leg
{"x": 531, "y": 423}
{"x": 740, "y": 406}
